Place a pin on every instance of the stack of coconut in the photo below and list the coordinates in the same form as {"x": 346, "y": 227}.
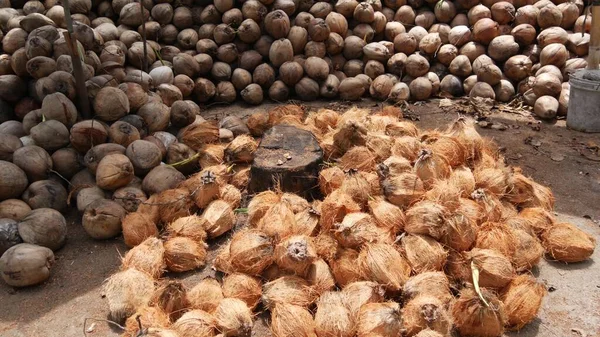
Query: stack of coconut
{"x": 218, "y": 51}
{"x": 418, "y": 233}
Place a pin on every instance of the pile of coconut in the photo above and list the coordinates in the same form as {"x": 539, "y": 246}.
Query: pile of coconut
{"x": 418, "y": 233}
{"x": 222, "y": 51}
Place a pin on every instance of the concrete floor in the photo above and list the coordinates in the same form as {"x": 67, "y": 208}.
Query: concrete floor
{"x": 560, "y": 159}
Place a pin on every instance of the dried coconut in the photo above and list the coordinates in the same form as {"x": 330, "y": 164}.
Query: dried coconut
{"x": 126, "y": 291}
{"x": 431, "y": 283}
{"x": 393, "y": 166}
{"x": 183, "y": 254}
{"x": 330, "y": 179}
{"x": 291, "y": 320}
{"x": 429, "y": 333}
{"x": 358, "y": 186}
{"x": 407, "y": 147}
{"x": 444, "y": 193}
{"x": 233, "y": 317}
{"x": 240, "y": 177}
{"x": 403, "y": 190}
{"x": 279, "y": 112}
{"x": 332, "y": 317}
{"x": 219, "y": 218}
{"x": 148, "y": 317}
{"x": 288, "y": 289}
{"x": 345, "y": 267}
{"x": 494, "y": 180}
{"x": 463, "y": 129}
{"x": 527, "y": 193}
{"x": 378, "y": 123}
{"x": 382, "y": 263}
{"x": 449, "y": 147}
{"x": 358, "y": 229}
{"x": 147, "y": 257}
{"x": 295, "y": 202}
{"x": 211, "y": 155}
{"x": 423, "y": 253}
{"x": 521, "y": 301}
{"x": 495, "y": 269}
{"x": 357, "y": 294}
{"x": 496, "y": 236}
{"x": 461, "y": 231}
{"x": 402, "y": 128}
{"x": 250, "y": 251}
{"x": 537, "y": 218}
{"x": 426, "y": 217}
{"x": 279, "y": 221}
{"x": 458, "y": 267}
{"x": 335, "y": 207}
{"x": 565, "y": 242}
{"x": 295, "y": 253}
{"x": 430, "y": 167}
{"x": 195, "y": 323}
{"x": 171, "y": 297}
{"x": 243, "y": 287}
{"x": 489, "y": 205}
{"x": 204, "y": 186}
{"x": 137, "y": 228}
{"x": 462, "y": 177}
{"x": 205, "y": 295}
{"x": 349, "y": 134}
{"x": 320, "y": 277}
{"x": 192, "y": 226}
{"x": 222, "y": 260}
{"x": 387, "y": 215}
{"x": 472, "y": 317}
{"x": 241, "y": 149}
{"x": 425, "y": 312}
{"x": 380, "y": 146}
{"x": 307, "y": 222}
{"x": 379, "y": 319}
{"x": 174, "y": 204}
{"x": 327, "y": 246}
{"x": 260, "y": 204}
{"x": 231, "y": 195}
{"x": 358, "y": 158}
{"x": 150, "y": 209}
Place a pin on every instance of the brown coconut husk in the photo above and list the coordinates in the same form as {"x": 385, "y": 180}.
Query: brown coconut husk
{"x": 192, "y": 226}
{"x": 183, "y": 254}
{"x": 204, "y": 188}
{"x": 387, "y": 215}
{"x": 449, "y": 147}
{"x": 320, "y": 277}
{"x": 393, "y": 166}
{"x": 444, "y": 193}
{"x": 219, "y": 218}
{"x": 344, "y": 267}
{"x": 462, "y": 178}
{"x": 292, "y": 320}
{"x": 260, "y": 204}
{"x": 307, "y": 221}
{"x": 195, "y": 323}
{"x": 288, "y": 289}
{"x": 273, "y": 272}
{"x": 407, "y": 147}
{"x": 538, "y": 219}
{"x": 295, "y": 202}
{"x": 472, "y": 317}
{"x": 233, "y": 317}
{"x": 324, "y": 119}
{"x": 335, "y": 207}
{"x": 150, "y": 208}
{"x": 358, "y": 186}
{"x": 390, "y": 110}
{"x": 461, "y": 231}
{"x": 490, "y": 206}
{"x": 295, "y": 253}
{"x": 463, "y": 129}
{"x": 205, "y": 295}
{"x": 332, "y": 317}
{"x": 425, "y": 312}
{"x": 471, "y": 209}
{"x": 382, "y": 263}
{"x": 509, "y": 210}
{"x": 428, "y": 218}
{"x": 251, "y": 251}
{"x": 280, "y": 111}
{"x": 174, "y": 204}
{"x": 521, "y": 301}
{"x": 126, "y": 291}
{"x": 147, "y": 257}
{"x": 565, "y": 242}
{"x": 326, "y": 245}
{"x": 429, "y": 333}
{"x": 211, "y": 155}
{"x": 160, "y": 332}
{"x": 354, "y": 114}
{"x": 403, "y": 190}
{"x": 374, "y": 182}
{"x": 495, "y": 269}
{"x": 493, "y": 180}
{"x": 241, "y": 149}
{"x": 431, "y": 167}
{"x": 171, "y": 297}
{"x": 279, "y": 221}
{"x": 148, "y": 317}
{"x": 380, "y": 146}
{"x": 231, "y": 195}
{"x": 240, "y": 177}
{"x": 258, "y": 123}
{"x": 378, "y": 123}
{"x": 458, "y": 267}
{"x": 431, "y": 283}
{"x": 197, "y": 135}
{"x": 222, "y": 260}
{"x": 358, "y": 229}
{"x": 497, "y": 236}
{"x": 379, "y": 319}
{"x": 347, "y": 135}
{"x": 357, "y": 294}
{"x": 330, "y": 179}
{"x": 401, "y": 129}
{"x": 243, "y": 287}
{"x": 423, "y": 253}
{"x": 137, "y": 228}
{"x": 527, "y": 193}
{"x": 358, "y": 158}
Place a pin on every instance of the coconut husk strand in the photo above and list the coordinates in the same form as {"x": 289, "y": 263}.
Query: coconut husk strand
{"x": 489, "y": 204}
{"x": 425, "y": 312}
{"x": 292, "y": 320}
{"x": 407, "y": 147}
{"x": 387, "y": 215}
{"x": 357, "y": 294}
{"x": 184, "y": 254}
{"x": 147, "y": 257}
{"x": 495, "y": 269}
{"x": 521, "y": 301}
{"x": 295, "y": 202}
{"x": 260, "y": 204}
{"x": 428, "y": 218}
{"x": 243, "y": 287}
{"x": 149, "y": 316}
{"x": 251, "y": 251}
{"x": 326, "y": 245}
{"x": 126, "y": 291}
{"x": 565, "y": 242}
{"x": 320, "y": 277}
{"x": 430, "y": 167}
{"x": 171, "y": 297}
{"x": 137, "y": 228}
{"x": 332, "y": 318}
{"x": 450, "y": 148}
{"x": 403, "y": 190}
{"x": 205, "y": 295}
{"x": 233, "y": 317}
{"x": 461, "y": 231}
{"x": 358, "y": 229}
{"x": 192, "y": 226}
{"x": 472, "y": 317}
{"x": 382, "y": 263}
{"x": 462, "y": 178}
{"x": 358, "y": 158}
{"x": 174, "y": 204}
{"x": 463, "y": 129}
{"x": 423, "y": 253}
{"x": 307, "y": 221}
{"x": 345, "y": 267}
{"x": 431, "y": 283}
{"x": 219, "y": 218}
{"x": 330, "y": 179}
{"x": 195, "y": 323}
{"x": 288, "y": 289}
{"x": 496, "y": 236}
{"x": 379, "y": 319}
{"x": 537, "y": 218}
{"x": 295, "y": 253}
{"x": 349, "y": 134}
{"x": 335, "y": 207}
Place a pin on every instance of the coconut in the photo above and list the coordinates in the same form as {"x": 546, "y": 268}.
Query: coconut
{"x": 497, "y": 236}
{"x": 148, "y": 316}
{"x": 251, "y": 251}
{"x": 174, "y": 204}
{"x": 484, "y": 319}
{"x": 205, "y": 295}
{"x": 114, "y": 170}
{"x": 233, "y": 317}
{"x": 332, "y": 317}
{"x": 344, "y": 268}
{"x": 94, "y": 156}
{"x": 402, "y": 190}
{"x": 137, "y": 227}
{"x": 375, "y": 263}
{"x": 243, "y": 287}
{"x": 146, "y": 257}
{"x": 528, "y": 250}
{"x": 521, "y": 301}
{"x": 359, "y": 228}
{"x": 431, "y": 284}
{"x": 123, "y": 295}
{"x": 289, "y": 290}
{"x": 379, "y": 318}
{"x": 428, "y": 218}
{"x": 386, "y": 215}
{"x": 14, "y": 209}
{"x": 219, "y": 218}
{"x": 102, "y": 219}
{"x": 278, "y": 221}
{"x": 423, "y": 253}
{"x": 26, "y": 264}
{"x": 357, "y": 294}
{"x": 567, "y": 243}
{"x": 485, "y": 30}
{"x": 425, "y": 312}
{"x": 171, "y": 297}
{"x": 546, "y": 107}
{"x": 31, "y": 160}
{"x": 184, "y": 254}
{"x": 13, "y": 180}
{"x": 495, "y": 269}
{"x": 46, "y": 194}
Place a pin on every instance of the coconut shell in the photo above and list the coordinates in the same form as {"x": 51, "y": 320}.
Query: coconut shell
{"x": 494, "y": 268}
{"x": 205, "y": 295}
{"x": 382, "y": 263}
{"x": 14, "y": 209}
{"x": 25, "y": 264}
{"x": 425, "y": 312}
{"x": 250, "y": 252}
{"x": 473, "y": 318}
{"x": 357, "y": 294}
{"x": 379, "y": 319}
{"x": 149, "y": 316}
{"x": 565, "y": 242}
{"x": 126, "y": 291}
{"x": 195, "y": 323}
{"x": 332, "y": 317}
{"x": 432, "y": 283}
{"x": 289, "y": 290}
{"x": 183, "y": 254}
{"x": 521, "y": 301}
{"x": 423, "y": 253}
{"x": 233, "y": 317}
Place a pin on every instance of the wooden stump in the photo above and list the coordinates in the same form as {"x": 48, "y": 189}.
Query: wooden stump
{"x": 288, "y": 157}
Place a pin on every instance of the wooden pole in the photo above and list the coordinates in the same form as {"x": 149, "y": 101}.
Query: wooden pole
{"x": 594, "y": 52}
{"x": 82, "y": 96}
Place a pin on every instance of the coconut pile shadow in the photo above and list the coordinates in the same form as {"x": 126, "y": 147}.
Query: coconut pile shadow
{"x": 419, "y": 233}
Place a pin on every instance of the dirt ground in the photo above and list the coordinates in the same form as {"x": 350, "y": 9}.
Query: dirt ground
{"x": 550, "y": 153}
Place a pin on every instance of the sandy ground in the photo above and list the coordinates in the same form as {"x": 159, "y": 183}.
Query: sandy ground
{"x": 550, "y": 153}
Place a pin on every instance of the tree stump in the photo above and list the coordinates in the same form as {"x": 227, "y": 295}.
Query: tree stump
{"x": 287, "y": 158}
